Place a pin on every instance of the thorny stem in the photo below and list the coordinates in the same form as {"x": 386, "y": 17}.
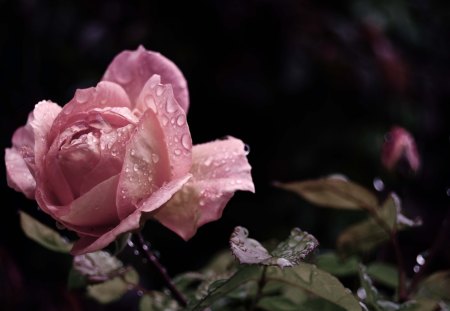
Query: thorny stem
{"x": 151, "y": 257}
{"x": 442, "y": 235}
{"x": 261, "y": 283}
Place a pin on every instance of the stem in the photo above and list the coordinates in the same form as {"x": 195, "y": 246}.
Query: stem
{"x": 402, "y": 293}
{"x": 262, "y": 282}
{"x": 442, "y": 235}
{"x": 150, "y": 256}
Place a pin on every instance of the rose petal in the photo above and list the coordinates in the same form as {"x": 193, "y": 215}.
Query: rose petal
{"x": 132, "y": 69}
{"x": 17, "y": 173}
{"x": 147, "y": 164}
{"x": 219, "y": 169}
{"x": 95, "y": 210}
{"x": 88, "y": 244}
{"x": 172, "y": 118}
{"x": 105, "y": 94}
{"x": 44, "y": 115}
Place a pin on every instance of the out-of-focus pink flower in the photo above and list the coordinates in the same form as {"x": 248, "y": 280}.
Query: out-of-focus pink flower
{"x": 400, "y": 145}
{"x": 121, "y": 152}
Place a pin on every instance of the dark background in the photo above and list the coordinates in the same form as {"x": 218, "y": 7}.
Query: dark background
{"x": 311, "y": 86}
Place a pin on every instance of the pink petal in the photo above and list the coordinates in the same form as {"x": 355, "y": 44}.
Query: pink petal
{"x": 132, "y": 69}
{"x": 95, "y": 211}
{"x": 44, "y": 115}
{"x": 160, "y": 99}
{"x": 133, "y": 221}
{"x": 152, "y": 158}
{"x": 219, "y": 169}
{"x": 17, "y": 173}
{"x": 105, "y": 94}
{"x": 400, "y": 144}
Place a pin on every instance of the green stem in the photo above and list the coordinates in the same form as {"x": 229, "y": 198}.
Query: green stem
{"x": 261, "y": 283}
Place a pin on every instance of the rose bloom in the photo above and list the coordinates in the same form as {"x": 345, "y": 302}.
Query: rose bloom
{"x": 120, "y": 153}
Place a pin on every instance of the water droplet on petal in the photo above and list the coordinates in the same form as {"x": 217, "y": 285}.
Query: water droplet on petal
{"x": 135, "y": 167}
{"x": 181, "y": 120}
{"x": 150, "y": 102}
{"x": 82, "y": 95}
{"x": 177, "y": 152}
{"x": 208, "y": 161}
{"x": 159, "y": 90}
{"x": 165, "y": 120}
{"x": 155, "y": 158}
{"x": 378, "y": 184}
{"x": 132, "y": 152}
{"x": 171, "y": 105}
{"x": 246, "y": 149}
{"x": 186, "y": 141}
{"x": 202, "y": 203}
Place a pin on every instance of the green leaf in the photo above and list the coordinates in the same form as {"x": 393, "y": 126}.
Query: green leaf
{"x": 319, "y": 304}
{"x": 334, "y": 192}
{"x": 277, "y": 303}
{"x": 384, "y": 273}
{"x": 287, "y": 254}
{"x": 309, "y": 278}
{"x": 115, "y": 288}
{"x": 224, "y": 287}
{"x": 157, "y": 301}
{"x": 76, "y": 280}
{"x": 363, "y": 237}
{"x": 435, "y": 287}
{"x": 332, "y": 263}
{"x": 43, "y": 235}
{"x": 372, "y": 298}
{"x": 420, "y": 305}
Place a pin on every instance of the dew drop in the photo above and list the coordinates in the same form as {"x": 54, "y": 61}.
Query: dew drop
{"x": 159, "y": 90}
{"x": 172, "y": 121}
{"x": 177, "y": 152}
{"x": 135, "y": 167}
{"x": 123, "y": 75}
{"x": 181, "y": 120}
{"x": 136, "y": 252}
{"x": 130, "y": 243}
{"x": 114, "y": 152}
{"x": 150, "y": 102}
{"x": 208, "y": 161}
{"x": 82, "y": 96}
{"x": 132, "y": 152}
{"x": 145, "y": 247}
{"x": 186, "y": 141}
{"x": 378, "y": 184}
{"x": 171, "y": 105}
{"x": 155, "y": 158}
{"x": 361, "y": 293}
{"x": 140, "y": 293}
{"x": 416, "y": 268}
{"x": 246, "y": 149}
{"x": 420, "y": 259}
{"x": 202, "y": 203}
{"x": 165, "y": 120}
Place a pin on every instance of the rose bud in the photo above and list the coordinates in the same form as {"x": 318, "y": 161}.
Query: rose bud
{"x": 400, "y": 146}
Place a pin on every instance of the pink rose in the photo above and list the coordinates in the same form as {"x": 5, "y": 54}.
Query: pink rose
{"x": 121, "y": 152}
